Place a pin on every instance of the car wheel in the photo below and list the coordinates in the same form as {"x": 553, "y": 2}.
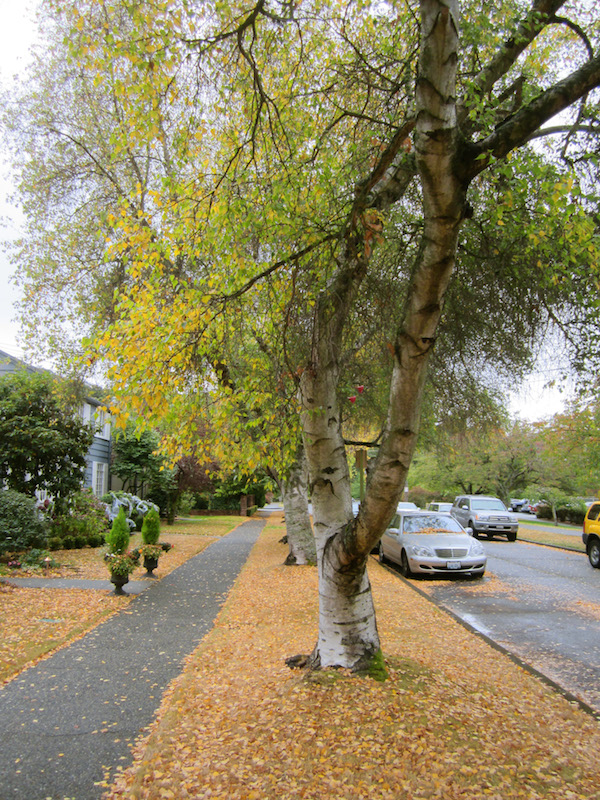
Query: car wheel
{"x": 475, "y": 533}
{"x": 382, "y": 558}
{"x": 594, "y": 553}
{"x": 512, "y": 537}
{"x": 404, "y": 567}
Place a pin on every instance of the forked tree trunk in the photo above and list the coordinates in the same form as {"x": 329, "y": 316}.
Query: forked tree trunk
{"x": 300, "y": 536}
{"x": 348, "y": 634}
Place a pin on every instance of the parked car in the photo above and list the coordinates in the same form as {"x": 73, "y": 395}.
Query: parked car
{"x": 591, "y": 534}
{"x": 443, "y": 508}
{"x": 484, "y": 514}
{"x": 517, "y": 505}
{"x": 431, "y": 543}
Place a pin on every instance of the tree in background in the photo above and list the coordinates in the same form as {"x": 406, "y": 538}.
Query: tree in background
{"x": 135, "y": 460}
{"x": 43, "y": 440}
{"x": 144, "y": 471}
{"x": 500, "y": 461}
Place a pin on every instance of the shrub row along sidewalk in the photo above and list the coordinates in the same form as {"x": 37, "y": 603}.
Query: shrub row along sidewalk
{"x": 457, "y": 719}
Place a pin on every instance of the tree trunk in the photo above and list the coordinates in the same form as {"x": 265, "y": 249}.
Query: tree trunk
{"x": 348, "y": 634}
{"x": 347, "y": 628}
{"x": 300, "y": 536}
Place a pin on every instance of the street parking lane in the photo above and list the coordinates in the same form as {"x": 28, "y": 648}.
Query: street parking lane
{"x": 541, "y": 604}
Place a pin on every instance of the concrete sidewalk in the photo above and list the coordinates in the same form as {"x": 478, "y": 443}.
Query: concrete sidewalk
{"x": 131, "y": 587}
{"x": 68, "y": 721}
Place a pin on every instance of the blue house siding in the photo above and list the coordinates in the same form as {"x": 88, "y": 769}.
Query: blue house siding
{"x": 99, "y": 453}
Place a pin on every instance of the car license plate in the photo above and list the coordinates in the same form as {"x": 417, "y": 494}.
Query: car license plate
{"x": 453, "y": 565}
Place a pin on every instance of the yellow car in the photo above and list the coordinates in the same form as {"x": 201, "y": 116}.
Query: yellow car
{"x": 591, "y": 534}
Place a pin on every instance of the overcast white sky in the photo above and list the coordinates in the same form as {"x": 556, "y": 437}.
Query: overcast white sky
{"x": 17, "y": 33}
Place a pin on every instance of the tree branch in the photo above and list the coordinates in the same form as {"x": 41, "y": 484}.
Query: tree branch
{"x": 522, "y": 126}
{"x": 536, "y": 20}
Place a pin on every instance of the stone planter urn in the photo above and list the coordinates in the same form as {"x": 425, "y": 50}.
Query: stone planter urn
{"x": 150, "y": 564}
{"x": 119, "y": 581}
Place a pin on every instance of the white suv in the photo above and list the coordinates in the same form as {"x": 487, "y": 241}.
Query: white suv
{"x": 486, "y": 515}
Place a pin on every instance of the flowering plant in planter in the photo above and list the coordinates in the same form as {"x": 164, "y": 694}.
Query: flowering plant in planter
{"x": 152, "y": 550}
{"x": 121, "y": 563}
{"x": 149, "y": 550}
{"x": 119, "y": 560}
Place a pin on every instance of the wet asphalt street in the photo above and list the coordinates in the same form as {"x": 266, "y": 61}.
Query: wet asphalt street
{"x": 541, "y": 604}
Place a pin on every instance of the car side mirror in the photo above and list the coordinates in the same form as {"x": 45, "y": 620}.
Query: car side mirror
{"x": 469, "y": 531}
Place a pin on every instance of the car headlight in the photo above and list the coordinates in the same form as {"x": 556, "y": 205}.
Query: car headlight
{"x": 422, "y": 551}
{"x": 477, "y": 549}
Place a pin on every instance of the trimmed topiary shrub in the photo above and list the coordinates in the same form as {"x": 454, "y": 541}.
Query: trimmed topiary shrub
{"x": 69, "y": 542}
{"x": 21, "y": 524}
{"x": 151, "y": 527}
{"x": 118, "y": 536}
{"x": 544, "y": 512}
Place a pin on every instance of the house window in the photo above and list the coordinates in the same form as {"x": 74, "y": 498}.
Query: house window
{"x": 99, "y": 478}
{"x": 86, "y": 413}
{"x": 102, "y": 424}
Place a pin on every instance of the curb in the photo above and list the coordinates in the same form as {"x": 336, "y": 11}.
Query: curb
{"x": 94, "y": 585}
{"x": 554, "y": 546}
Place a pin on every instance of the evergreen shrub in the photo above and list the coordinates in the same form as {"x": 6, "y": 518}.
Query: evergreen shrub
{"x": 55, "y": 543}
{"x": 118, "y": 536}
{"x": 84, "y": 518}
{"x": 21, "y": 524}
{"x": 151, "y": 527}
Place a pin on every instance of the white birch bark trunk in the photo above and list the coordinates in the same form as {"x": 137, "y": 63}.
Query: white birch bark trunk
{"x": 347, "y": 627}
{"x": 300, "y": 536}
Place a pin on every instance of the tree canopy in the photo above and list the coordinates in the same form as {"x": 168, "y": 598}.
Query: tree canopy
{"x": 43, "y": 440}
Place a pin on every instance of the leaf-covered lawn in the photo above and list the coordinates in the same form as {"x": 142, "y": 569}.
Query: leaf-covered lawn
{"x": 34, "y": 622}
{"x": 548, "y": 537}
{"x": 456, "y": 719}
{"x": 189, "y": 537}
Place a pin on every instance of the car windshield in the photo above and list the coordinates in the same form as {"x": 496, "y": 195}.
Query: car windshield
{"x": 488, "y": 505}
{"x": 431, "y": 523}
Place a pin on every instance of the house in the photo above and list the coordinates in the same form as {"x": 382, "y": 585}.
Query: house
{"x": 97, "y": 473}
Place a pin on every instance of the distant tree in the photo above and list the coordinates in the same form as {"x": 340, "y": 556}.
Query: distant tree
{"x": 43, "y": 440}
{"x": 135, "y": 461}
{"x": 143, "y": 470}
{"x": 569, "y": 449}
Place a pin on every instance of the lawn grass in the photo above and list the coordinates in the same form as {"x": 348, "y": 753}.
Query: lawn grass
{"x": 568, "y": 542}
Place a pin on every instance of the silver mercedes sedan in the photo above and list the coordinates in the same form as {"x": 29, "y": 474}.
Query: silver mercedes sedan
{"x": 429, "y": 543}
